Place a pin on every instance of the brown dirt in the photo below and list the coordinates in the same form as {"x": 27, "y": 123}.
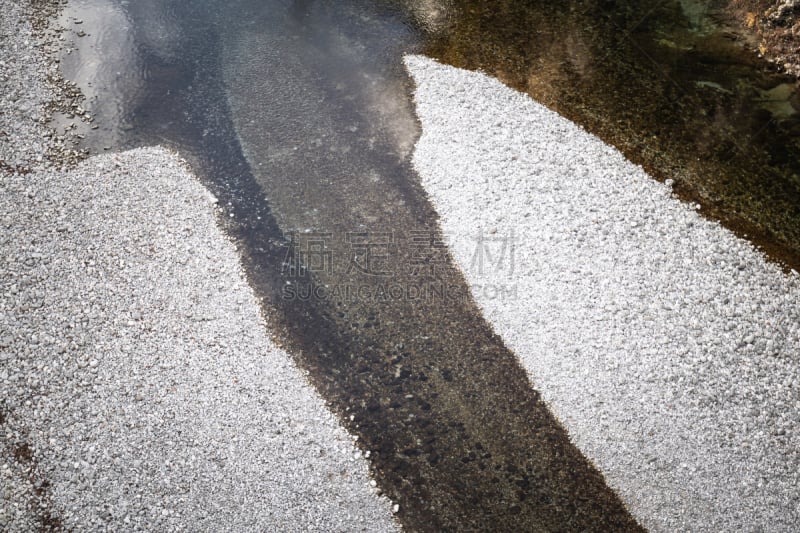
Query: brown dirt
{"x": 777, "y": 29}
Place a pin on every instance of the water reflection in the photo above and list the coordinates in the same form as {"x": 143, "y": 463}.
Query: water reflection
{"x": 327, "y": 119}
{"x": 298, "y": 117}
{"x": 106, "y": 66}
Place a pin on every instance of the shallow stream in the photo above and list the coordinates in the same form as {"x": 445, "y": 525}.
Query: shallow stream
{"x": 298, "y": 116}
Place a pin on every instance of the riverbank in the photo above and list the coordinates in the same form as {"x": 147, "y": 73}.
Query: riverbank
{"x": 678, "y": 86}
{"x": 288, "y": 130}
{"x": 140, "y": 388}
{"x": 666, "y": 345}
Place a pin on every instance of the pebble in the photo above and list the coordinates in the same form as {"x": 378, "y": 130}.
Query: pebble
{"x": 647, "y": 336}
{"x": 110, "y": 413}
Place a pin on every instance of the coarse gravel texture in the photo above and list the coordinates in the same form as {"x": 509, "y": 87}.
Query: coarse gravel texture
{"x": 140, "y": 390}
{"x": 667, "y": 346}
{"x": 136, "y": 361}
{"x": 34, "y": 92}
{"x": 23, "y": 91}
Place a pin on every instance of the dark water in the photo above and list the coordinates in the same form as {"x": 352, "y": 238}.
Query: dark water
{"x": 297, "y": 115}
{"x": 675, "y": 85}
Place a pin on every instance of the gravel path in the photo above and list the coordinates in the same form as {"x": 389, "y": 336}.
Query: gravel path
{"x": 139, "y": 388}
{"x": 667, "y": 346}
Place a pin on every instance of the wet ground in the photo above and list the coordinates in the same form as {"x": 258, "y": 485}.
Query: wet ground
{"x": 298, "y": 116}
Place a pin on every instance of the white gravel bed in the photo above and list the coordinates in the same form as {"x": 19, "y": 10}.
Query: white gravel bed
{"x": 22, "y": 90}
{"x": 136, "y": 364}
{"x": 668, "y": 347}
{"x": 138, "y": 387}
